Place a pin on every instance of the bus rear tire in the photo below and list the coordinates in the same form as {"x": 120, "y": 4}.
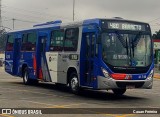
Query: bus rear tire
{"x": 119, "y": 91}
{"x": 26, "y": 79}
{"x": 74, "y": 83}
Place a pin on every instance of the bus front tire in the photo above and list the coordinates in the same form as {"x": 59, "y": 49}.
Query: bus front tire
{"x": 119, "y": 91}
{"x": 74, "y": 83}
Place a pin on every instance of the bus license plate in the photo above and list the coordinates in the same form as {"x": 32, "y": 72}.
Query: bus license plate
{"x": 130, "y": 87}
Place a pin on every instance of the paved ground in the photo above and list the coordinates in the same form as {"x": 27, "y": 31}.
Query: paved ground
{"x": 157, "y": 75}
{"x": 13, "y": 94}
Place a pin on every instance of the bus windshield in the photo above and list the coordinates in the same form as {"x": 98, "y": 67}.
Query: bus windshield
{"x": 130, "y": 50}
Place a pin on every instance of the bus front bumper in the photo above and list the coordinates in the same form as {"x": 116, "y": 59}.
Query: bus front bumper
{"x": 109, "y": 83}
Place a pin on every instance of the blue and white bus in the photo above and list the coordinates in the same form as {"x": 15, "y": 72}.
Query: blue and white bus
{"x": 112, "y": 54}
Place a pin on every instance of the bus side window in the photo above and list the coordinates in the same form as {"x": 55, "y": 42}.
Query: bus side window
{"x": 10, "y": 41}
{"x": 93, "y": 44}
{"x": 87, "y": 46}
{"x": 29, "y": 42}
{"x": 57, "y": 38}
{"x": 71, "y": 39}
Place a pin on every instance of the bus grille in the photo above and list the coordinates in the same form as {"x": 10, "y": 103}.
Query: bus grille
{"x": 124, "y": 84}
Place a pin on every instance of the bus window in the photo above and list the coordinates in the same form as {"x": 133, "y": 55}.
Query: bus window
{"x": 29, "y": 42}
{"x": 71, "y": 39}
{"x": 31, "y": 38}
{"x": 24, "y": 41}
{"x": 57, "y": 37}
{"x": 10, "y": 42}
{"x": 92, "y": 44}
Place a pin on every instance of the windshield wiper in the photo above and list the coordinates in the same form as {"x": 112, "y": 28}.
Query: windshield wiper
{"x": 132, "y": 46}
{"x": 127, "y": 46}
{"x": 136, "y": 39}
{"x": 121, "y": 39}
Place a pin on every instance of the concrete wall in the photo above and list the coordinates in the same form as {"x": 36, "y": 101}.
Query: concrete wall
{"x": 1, "y": 55}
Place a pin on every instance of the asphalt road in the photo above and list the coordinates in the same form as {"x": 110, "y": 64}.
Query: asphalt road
{"x": 14, "y": 94}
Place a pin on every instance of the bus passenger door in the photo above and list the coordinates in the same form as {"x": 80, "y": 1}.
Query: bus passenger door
{"x": 16, "y": 56}
{"x": 43, "y": 61}
{"x": 89, "y": 61}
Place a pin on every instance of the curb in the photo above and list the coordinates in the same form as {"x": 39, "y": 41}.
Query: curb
{"x": 2, "y": 68}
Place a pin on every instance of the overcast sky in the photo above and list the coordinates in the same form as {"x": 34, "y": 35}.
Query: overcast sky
{"x": 29, "y": 12}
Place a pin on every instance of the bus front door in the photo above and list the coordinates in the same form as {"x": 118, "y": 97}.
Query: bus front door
{"x": 89, "y": 63}
{"x": 43, "y": 60}
{"x": 16, "y": 56}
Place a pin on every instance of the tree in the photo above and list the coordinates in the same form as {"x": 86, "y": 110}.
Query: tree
{"x": 156, "y": 35}
{"x": 2, "y": 40}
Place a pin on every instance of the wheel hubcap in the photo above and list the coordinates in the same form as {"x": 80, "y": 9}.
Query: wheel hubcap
{"x": 25, "y": 77}
{"x": 74, "y": 83}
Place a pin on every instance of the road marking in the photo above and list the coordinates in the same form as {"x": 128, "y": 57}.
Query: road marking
{"x": 112, "y": 115}
{"x": 65, "y": 96}
{"x": 52, "y": 105}
{"x": 64, "y": 106}
{"x": 40, "y": 103}
{"x": 125, "y": 115}
{"x": 55, "y": 106}
{"x": 2, "y": 98}
{"x": 4, "y": 115}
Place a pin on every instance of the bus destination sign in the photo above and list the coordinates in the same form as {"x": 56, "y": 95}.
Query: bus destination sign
{"x": 126, "y": 26}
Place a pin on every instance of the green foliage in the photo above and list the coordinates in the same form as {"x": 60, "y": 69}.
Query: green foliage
{"x": 2, "y": 40}
{"x": 156, "y": 35}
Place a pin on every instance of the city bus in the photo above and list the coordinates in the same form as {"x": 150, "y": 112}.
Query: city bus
{"x": 102, "y": 54}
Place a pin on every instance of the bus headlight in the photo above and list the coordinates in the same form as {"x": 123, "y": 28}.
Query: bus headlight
{"x": 105, "y": 73}
{"x": 150, "y": 76}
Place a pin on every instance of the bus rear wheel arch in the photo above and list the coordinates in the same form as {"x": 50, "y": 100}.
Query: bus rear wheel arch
{"x": 26, "y": 79}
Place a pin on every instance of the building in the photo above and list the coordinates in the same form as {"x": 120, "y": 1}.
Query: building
{"x": 156, "y": 51}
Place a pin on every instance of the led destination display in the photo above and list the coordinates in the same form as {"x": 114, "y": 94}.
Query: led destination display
{"x": 124, "y": 26}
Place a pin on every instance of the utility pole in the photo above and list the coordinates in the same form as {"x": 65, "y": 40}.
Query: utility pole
{"x": 73, "y": 9}
{"x": 13, "y": 22}
{"x": 0, "y": 15}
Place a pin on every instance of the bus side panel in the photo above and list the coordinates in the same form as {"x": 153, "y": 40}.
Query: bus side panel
{"x": 9, "y": 62}
{"x": 16, "y": 56}
{"x": 27, "y": 59}
{"x": 82, "y": 62}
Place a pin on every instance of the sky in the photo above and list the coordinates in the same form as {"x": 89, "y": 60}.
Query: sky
{"x": 29, "y": 12}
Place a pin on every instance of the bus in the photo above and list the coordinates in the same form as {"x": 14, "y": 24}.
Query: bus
{"x": 102, "y": 54}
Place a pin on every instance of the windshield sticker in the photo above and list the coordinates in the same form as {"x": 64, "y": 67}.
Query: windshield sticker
{"x": 115, "y": 56}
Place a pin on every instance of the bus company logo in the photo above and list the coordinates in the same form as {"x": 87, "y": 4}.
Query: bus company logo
{"x": 52, "y": 59}
{"x": 128, "y": 77}
{"x": 6, "y": 111}
{"x": 8, "y": 56}
{"x": 142, "y": 76}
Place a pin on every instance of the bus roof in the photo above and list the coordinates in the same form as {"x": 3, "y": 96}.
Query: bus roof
{"x": 59, "y": 24}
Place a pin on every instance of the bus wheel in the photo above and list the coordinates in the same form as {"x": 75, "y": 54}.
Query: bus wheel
{"x": 119, "y": 91}
{"x": 74, "y": 83}
{"x": 26, "y": 79}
